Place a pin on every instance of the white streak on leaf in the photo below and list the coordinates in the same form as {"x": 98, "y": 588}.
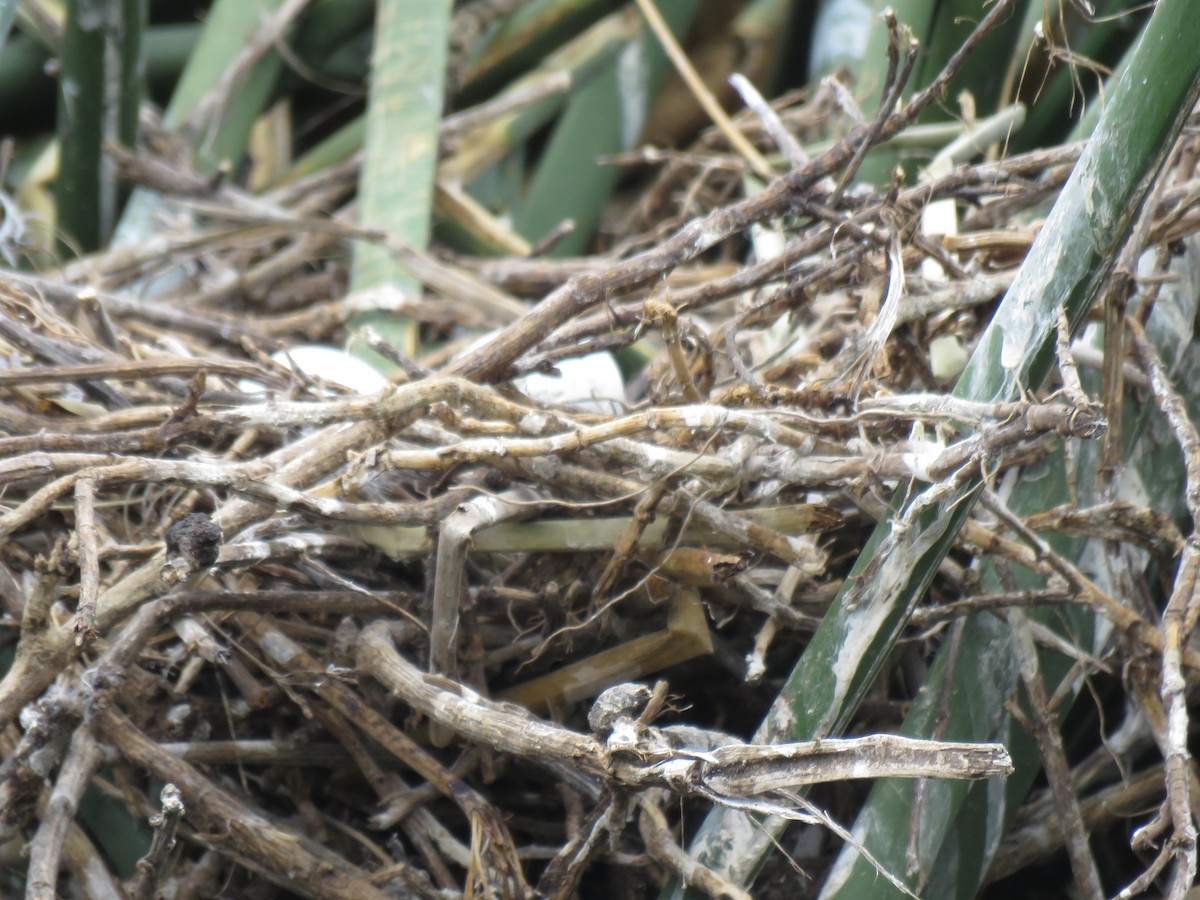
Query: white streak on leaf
{"x": 632, "y": 75}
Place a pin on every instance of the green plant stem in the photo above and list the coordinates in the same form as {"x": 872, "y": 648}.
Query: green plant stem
{"x": 400, "y": 153}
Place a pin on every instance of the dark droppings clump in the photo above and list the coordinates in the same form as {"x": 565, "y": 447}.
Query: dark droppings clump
{"x": 197, "y": 538}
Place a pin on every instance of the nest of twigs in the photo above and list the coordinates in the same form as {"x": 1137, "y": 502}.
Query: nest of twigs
{"x": 350, "y": 643}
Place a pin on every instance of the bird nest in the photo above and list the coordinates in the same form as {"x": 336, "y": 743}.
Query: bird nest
{"x": 490, "y": 624}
